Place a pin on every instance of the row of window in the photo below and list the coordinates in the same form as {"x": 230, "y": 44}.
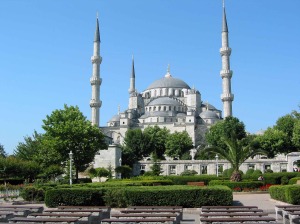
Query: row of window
{"x": 166, "y": 108}
{"x": 164, "y": 92}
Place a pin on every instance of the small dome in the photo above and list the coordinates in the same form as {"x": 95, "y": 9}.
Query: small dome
{"x": 208, "y": 114}
{"x": 164, "y": 101}
{"x": 115, "y": 118}
{"x": 168, "y": 82}
{"x": 209, "y": 106}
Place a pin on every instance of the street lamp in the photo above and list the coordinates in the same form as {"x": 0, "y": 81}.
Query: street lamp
{"x": 217, "y": 157}
{"x": 71, "y": 157}
{"x": 120, "y": 163}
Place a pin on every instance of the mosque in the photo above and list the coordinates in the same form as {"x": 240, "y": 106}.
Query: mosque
{"x": 167, "y": 102}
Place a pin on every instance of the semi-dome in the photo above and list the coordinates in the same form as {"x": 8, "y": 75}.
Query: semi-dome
{"x": 208, "y": 114}
{"x": 164, "y": 101}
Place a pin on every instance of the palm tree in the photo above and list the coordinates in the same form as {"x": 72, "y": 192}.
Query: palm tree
{"x": 229, "y": 140}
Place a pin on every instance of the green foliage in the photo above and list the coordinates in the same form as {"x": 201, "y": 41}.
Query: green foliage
{"x": 136, "y": 145}
{"x": 242, "y": 185}
{"x": 227, "y": 173}
{"x": 182, "y": 180}
{"x": 296, "y": 134}
{"x": 156, "y": 168}
{"x": 157, "y": 140}
{"x": 102, "y": 172}
{"x": 68, "y": 130}
{"x": 272, "y": 178}
{"x": 284, "y": 180}
{"x": 74, "y": 197}
{"x": 31, "y": 193}
{"x": 228, "y": 139}
{"x": 124, "y": 170}
{"x": 3, "y": 154}
{"x": 293, "y": 180}
{"x": 178, "y": 143}
{"x": 250, "y": 172}
{"x": 286, "y": 193}
{"x": 268, "y": 171}
{"x": 189, "y": 173}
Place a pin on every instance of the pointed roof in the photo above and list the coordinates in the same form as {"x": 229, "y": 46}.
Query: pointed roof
{"x": 97, "y": 33}
{"x": 224, "y": 26}
{"x": 132, "y": 69}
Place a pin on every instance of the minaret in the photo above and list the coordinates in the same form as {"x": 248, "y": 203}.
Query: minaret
{"x": 226, "y": 73}
{"x": 95, "y": 102}
{"x": 132, "y": 79}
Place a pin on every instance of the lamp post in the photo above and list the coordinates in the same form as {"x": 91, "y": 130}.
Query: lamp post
{"x": 120, "y": 163}
{"x": 71, "y": 157}
{"x": 217, "y": 164}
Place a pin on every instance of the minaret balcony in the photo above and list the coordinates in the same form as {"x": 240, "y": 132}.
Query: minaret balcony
{"x": 227, "y": 97}
{"x": 95, "y": 103}
{"x": 225, "y": 51}
{"x": 94, "y": 80}
{"x": 96, "y": 59}
{"x": 226, "y": 73}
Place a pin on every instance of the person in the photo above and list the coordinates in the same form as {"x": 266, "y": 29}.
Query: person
{"x": 260, "y": 177}
{"x": 295, "y": 169}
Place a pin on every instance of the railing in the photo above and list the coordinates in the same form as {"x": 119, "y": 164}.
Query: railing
{"x": 9, "y": 193}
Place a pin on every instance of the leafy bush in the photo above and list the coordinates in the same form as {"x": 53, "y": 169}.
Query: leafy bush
{"x": 284, "y": 180}
{"x": 287, "y": 193}
{"x": 238, "y": 186}
{"x": 31, "y": 193}
{"x": 227, "y": 172}
{"x": 186, "y": 196}
{"x": 188, "y": 173}
{"x": 75, "y": 197}
{"x": 269, "y": 171}
{"x": 250, "y": 172}
{"x": 294, "y": 180}
{"x": 182, "y": 180}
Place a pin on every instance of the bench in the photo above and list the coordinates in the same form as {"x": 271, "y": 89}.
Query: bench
{"x": 279, "y": 208}
{"x": 196, "y": 183}
{"x": 237, "y": 219}
{"x": 230, "y": 207}
{"x": 44, "y": 220}
{"x": 141, "y": 220}
{"x": 254, "y": 210}
{"x": 155, "y": 207}
{"x": 81, "y": 216}
{"x": 32, "y": 208}
{"x": 105, "y": 209}
{"x": 231, "y": 214}
{"x": 6, "y": 215}
{"x": 178, "y": 211}
{"x": 96, "y": 214}
{"x": 16, "y": 211}
{"x": 147, "y": 215}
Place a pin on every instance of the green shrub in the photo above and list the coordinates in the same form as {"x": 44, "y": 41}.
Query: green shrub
{"x": 284, "y": 180}
{"x": 294, "y": 180}
{"x": 182, "y": 180}
{"x": 227, "y": 173}
{"x": 238, "y": 186}
{"x": 286, "y": 193}
{"x": 256, "y": 173}
{"x": 32, "y": 193}
{"x": 188, "y": 173}
{"x": 269, "y": 171}
{"x": 186, "y": 196}
{"x": 249, "y": 172}
{"x": 74, "y": 197}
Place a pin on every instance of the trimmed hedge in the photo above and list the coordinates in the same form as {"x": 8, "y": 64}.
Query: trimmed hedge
{"x": 243, "y": 185}
{"x": 31, "y": 193}
{"x": 76, "y": 197}
{"x": 294, "y": 180}
{"x": 274, "y": 178}
{"x": 186, "y": 196}
{"x": 182, "y": 180}
{"x": 287, "y": 193}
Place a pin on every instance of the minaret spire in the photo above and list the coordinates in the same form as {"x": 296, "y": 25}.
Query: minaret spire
{"x": 95, "y": 80}
{"x": 226, "y": 74}
{"x": 132, "y": 78}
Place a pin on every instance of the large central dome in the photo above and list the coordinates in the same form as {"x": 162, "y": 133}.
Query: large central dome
{"x": 168, "y": 82}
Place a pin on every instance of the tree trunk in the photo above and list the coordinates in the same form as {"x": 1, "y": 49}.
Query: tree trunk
{"x": 236, "y": 176}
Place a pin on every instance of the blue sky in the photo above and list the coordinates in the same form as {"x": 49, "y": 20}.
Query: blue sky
{"x": 45, "y": 50}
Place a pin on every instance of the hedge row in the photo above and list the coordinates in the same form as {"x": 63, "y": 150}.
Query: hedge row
{"x": 274, "y": 178}
{"x": 186, "y": 196}
{"x": 243, "y": 185}
{"x": 287, "y": 193}
{"x": 182, "y": 180}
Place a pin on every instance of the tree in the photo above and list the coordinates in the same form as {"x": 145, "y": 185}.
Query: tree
{"x": 3, "y": 154}
{"x": 68, "y": 130}
{"x": 296, "y": 134}
{"x": 125, "y": 171}
{"x": 29, "y": 149}
{"x": 178, "y": 143}
{"x": 136, "y": 145}
{"x": 228, "y": 139}
{"x": 157, "y": 139}
{"x": 272, "y": 141}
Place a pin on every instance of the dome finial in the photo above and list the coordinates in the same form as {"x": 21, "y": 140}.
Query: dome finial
{"x": 168, "y": 75}
{"x": 119, "y": 109}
